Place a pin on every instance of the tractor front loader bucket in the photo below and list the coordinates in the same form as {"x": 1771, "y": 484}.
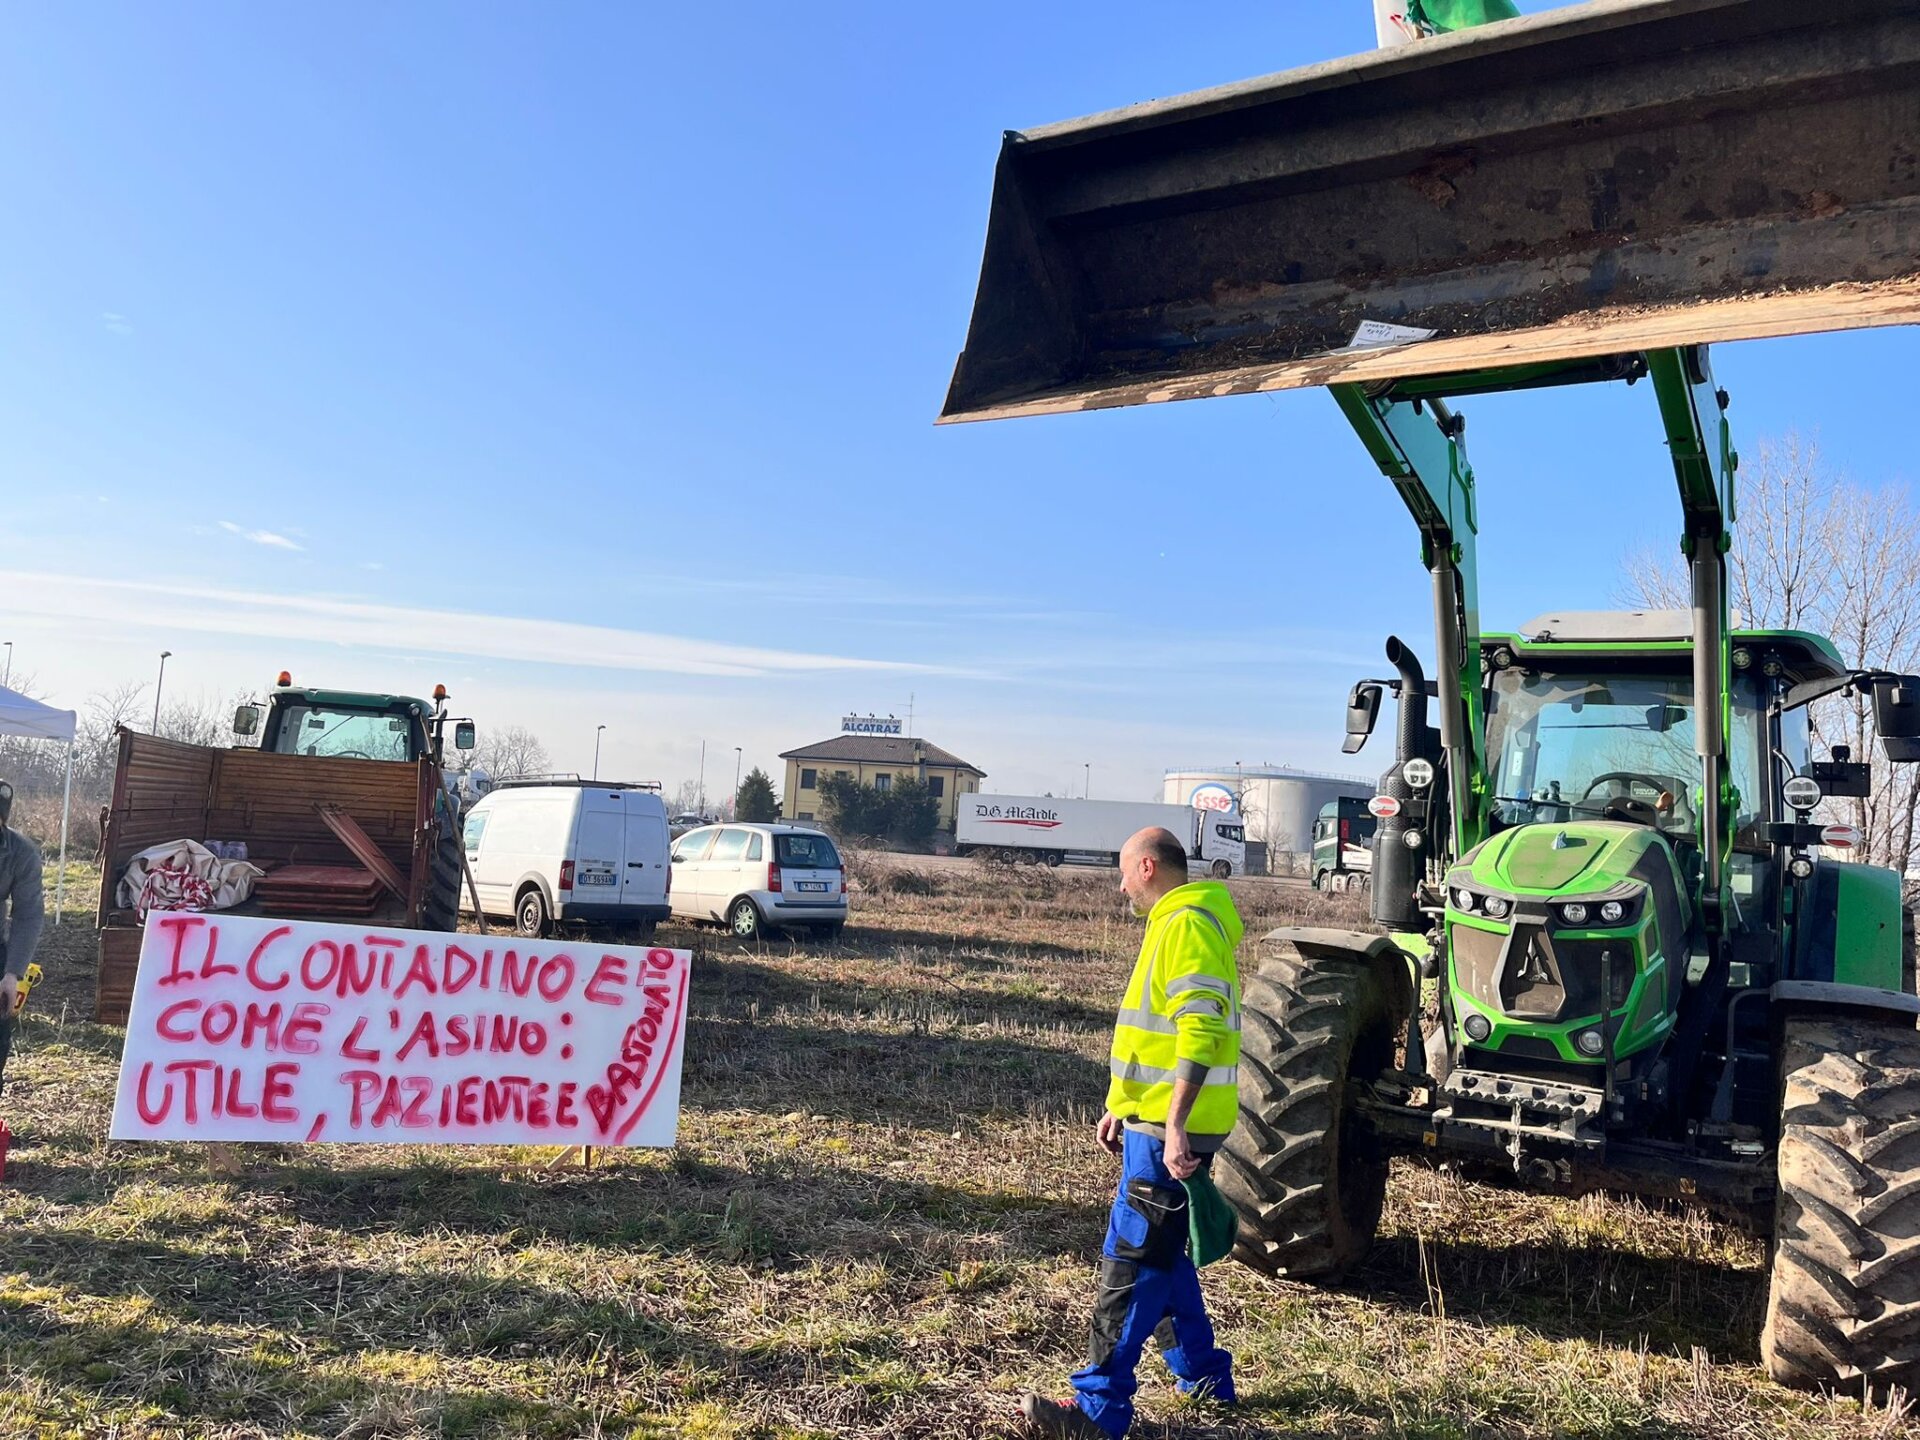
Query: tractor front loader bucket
{"x": 1612, "y": 177}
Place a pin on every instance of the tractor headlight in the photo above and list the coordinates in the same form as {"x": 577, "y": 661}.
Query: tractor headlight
{"x": 1498, "y": 906}
{"x": 1412, "y": 839}
{"x": 1742, "y": 657}
{"x": 1463, "y": 900}
{"x": 1612, "y": 912}
{"x": 1574, "y": 914}
{"x": 1590, "y": 1042}
{"x": 1800, "y": 867}
{"x": 1477, "y": 1026}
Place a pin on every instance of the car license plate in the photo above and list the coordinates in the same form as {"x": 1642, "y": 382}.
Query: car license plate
{"x": 596, "y": 879}
{"x": 813, "y": 885}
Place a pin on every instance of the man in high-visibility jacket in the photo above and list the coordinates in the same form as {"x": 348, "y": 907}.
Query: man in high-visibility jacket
{"x": 1172, "y": 1099}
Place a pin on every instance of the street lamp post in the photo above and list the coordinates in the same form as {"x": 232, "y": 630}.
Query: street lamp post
{"x": 162, "y": 680}
{"x": 736, "y": 782}
{"x": 703, "y": 779}
{"x": 1089, "y": 785}
{"x": 598, "y": 731}
{"x": 7, "y": 678}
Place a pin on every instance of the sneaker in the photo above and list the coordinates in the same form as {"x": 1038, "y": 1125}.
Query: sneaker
{"x": 1059, "y": 1418}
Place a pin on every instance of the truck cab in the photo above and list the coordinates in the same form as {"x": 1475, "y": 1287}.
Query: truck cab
{"x": 1343, "y": 845}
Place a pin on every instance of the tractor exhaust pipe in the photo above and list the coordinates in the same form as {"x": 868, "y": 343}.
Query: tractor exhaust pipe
{"x": 1396, "y": 868}
{"x": 1560, "y": 188}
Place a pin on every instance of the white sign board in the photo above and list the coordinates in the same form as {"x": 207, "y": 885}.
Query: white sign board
{"x": 870, "y": 725}
{"x": 254, "y": 1028}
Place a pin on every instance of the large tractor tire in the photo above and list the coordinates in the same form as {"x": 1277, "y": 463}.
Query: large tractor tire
{"x": 1843, "y": 1310}
{"x": 1300, "y": 1170}
{"x": 440, "y": 908}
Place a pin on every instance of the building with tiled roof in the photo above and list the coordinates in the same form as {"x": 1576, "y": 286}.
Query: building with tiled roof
{"x": 879, "y": 761}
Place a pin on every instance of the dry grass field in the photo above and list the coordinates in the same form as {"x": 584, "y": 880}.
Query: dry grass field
{"x": 881, "y": 1220}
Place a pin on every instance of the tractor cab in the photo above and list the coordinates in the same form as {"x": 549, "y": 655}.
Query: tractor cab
{"x": 1575, "y": 940}
{"x": 351, "y": 725}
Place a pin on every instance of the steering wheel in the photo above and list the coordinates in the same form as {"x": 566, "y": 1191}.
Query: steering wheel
{"x": 1629, "y": 807}
{"x": 348, "y": 755}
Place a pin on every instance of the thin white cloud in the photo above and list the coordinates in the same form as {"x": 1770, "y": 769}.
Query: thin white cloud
{"x": 270, "y": 538}
{"x": 114, "y": 321}
{"x": 323, "y": 619}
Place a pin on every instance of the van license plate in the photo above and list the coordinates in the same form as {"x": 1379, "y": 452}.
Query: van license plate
{"x": 813, "y": 885}
{"x": 596, "y": 879}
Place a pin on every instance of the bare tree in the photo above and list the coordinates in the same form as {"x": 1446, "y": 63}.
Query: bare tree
{"x": 1817, "y": 551}
{"x": 200, "y": 721}
{"x": 512, "y": 752}
{"x": 686, "y": 799}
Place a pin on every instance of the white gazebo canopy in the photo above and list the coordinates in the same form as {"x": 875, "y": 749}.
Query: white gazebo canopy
{"x": 22, "y": 715}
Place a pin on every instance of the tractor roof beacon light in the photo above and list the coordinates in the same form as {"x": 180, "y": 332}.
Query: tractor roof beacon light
{"x": 285, "y": 679}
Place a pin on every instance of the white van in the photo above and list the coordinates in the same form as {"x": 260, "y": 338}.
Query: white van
{"x": 573, "y": 851}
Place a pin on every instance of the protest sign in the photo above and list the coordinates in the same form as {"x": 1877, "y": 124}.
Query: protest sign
{"x": 254, "y": 1028}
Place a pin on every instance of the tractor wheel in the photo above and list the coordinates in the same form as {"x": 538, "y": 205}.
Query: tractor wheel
{"x": 440, "y": 907}
{"x": 1319, "y": 881}
{"x": 1221, "y": 869}
{"x": 1843, "y": 1310}
{"x": 1302, "y": 1173}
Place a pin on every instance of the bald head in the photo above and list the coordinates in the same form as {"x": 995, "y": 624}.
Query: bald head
{"x": 1152, "y": 862}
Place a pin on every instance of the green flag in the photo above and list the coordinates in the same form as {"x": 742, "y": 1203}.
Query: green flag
{"x": 1444, "y": 15}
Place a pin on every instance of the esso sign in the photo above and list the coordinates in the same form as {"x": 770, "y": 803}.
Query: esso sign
{"x": 1212, "y": 796}
{"x": 1383, "y": 807}
{"x": 1840, "y": 837}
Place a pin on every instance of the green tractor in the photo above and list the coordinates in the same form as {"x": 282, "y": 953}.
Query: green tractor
{"x": 360, "y": 725}
{"x": 1650, "y": 975}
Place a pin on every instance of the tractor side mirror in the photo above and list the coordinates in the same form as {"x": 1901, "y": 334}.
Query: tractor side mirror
{"x": 1363, "y": 711}
{"x": 246, "y": 720}
{"x": 1896, "y": 715}
{"x": 463, "y": 735}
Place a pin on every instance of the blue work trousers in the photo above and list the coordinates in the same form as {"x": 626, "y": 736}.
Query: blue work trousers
{"x": 1148, "y": 1287}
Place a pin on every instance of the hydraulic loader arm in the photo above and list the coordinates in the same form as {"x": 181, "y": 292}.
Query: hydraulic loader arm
{"x": 1420, "y": 446}
{"x": 1693, "y": 410}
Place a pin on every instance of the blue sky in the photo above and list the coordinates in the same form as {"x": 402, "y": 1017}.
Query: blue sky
{"x": 585, "y": 358}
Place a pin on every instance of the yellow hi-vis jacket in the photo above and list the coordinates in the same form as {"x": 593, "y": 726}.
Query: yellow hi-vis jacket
{"x": 1181, "y": 1016}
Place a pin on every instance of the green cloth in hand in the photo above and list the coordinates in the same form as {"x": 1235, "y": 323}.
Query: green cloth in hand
{"x": 1211, "y": 1223}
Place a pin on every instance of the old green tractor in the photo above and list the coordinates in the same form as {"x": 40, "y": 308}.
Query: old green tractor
{"x": 1651, "y": 975}
{"x": 364, "y": 725}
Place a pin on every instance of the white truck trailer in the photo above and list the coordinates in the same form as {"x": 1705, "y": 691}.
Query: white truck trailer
{"x": 1040, "y": 830}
